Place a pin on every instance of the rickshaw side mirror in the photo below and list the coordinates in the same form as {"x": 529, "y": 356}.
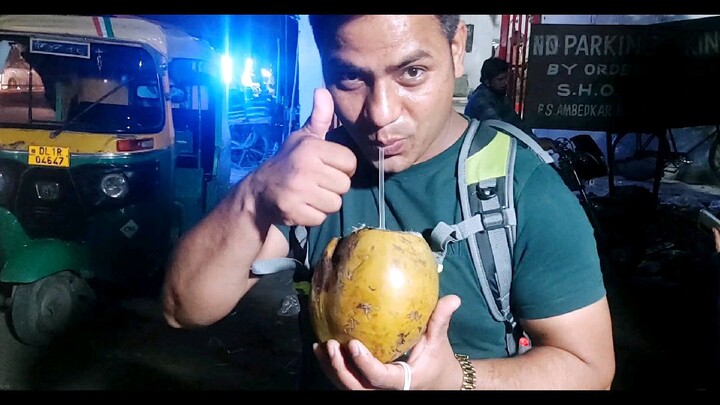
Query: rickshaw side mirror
{"x": 150, "y": 92}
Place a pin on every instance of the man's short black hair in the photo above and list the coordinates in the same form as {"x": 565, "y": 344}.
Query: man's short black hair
{"x": 493, "y": 67}
{"x": 324, "y": 26}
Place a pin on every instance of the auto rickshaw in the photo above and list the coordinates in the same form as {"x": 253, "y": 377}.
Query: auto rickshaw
{"x": 113, "y": 142}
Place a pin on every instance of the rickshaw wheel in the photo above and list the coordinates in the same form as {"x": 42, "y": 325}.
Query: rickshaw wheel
{"x": 49, "y": 307}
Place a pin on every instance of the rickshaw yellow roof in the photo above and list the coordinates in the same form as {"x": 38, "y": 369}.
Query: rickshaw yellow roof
{"x": 128, "y": 28}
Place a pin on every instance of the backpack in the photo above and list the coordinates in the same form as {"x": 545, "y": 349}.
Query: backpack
{"x": 485, "y": 172}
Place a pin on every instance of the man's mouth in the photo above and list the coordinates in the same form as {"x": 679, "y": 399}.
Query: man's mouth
{"x": 391, "y": 148}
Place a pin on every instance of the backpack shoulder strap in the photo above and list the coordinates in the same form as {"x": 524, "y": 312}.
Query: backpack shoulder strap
{"x": 485, "y": 184}
{"x": 488, "y": 192}
{"x": 522, "y": 136}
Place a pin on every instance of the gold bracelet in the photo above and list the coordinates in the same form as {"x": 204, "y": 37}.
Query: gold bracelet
{"x": 469, "y": 378}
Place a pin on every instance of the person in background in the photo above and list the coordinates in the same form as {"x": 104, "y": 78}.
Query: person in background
{"x": 489, "y": 100}
{"x": 390, "y": 82}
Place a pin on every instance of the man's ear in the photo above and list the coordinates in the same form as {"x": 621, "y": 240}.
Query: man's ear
{"x": 457, "y": 48}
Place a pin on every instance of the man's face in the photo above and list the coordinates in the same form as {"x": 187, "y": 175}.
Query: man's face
{"x": 499, "y": 83}
{"x": 392, "y": 79}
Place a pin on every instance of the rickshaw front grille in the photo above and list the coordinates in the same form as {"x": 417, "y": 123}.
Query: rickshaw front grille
{"x": 61, "y": 203}
{"x": 61, "y": 216}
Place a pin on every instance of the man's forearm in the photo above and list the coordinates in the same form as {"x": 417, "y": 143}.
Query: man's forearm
{"x": 542, "y": 368}
{"x": 210, "y": 268}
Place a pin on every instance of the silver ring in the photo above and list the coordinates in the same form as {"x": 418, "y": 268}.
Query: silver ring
{"x": 408, "y": 374}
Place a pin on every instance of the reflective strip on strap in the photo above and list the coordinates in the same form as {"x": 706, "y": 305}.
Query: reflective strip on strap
{"x": 302, "y": 287}
{"x": 525, "y": 138}
{"x": 489, "y": 162}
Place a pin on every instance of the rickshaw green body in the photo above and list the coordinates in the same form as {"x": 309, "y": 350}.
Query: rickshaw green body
{"x": 121, "y": 244}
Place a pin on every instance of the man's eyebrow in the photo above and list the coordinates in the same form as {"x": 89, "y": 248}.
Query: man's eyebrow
{"x": 345, "y": 66}
{"x": 410, "y": 59}
{"x": 340, "y": 65}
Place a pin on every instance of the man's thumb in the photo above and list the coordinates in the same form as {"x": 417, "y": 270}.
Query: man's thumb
{"x": 440, "y": 318}
{"x": 321, "y": 116}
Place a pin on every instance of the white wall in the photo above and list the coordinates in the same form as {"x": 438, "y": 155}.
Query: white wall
{"x": 309, "y": 69}
{"x": 486, "y": 29}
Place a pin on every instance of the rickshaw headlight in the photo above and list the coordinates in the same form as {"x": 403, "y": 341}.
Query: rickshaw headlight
{"x": 114, "y": 185}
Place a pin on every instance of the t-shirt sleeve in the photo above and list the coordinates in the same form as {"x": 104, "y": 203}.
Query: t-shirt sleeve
{"x": 557, "y": 268}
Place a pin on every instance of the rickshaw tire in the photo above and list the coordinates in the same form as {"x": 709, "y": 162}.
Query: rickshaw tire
{"x": 50, "y": 307}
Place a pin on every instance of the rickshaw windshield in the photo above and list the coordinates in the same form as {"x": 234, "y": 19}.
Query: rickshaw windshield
{"x": 76, "y": 86}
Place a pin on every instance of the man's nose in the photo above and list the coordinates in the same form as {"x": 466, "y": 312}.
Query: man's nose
{"x": 382, "y": 105}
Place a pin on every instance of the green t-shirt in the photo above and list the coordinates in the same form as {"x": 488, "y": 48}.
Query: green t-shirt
{"x": 556, "y": 265}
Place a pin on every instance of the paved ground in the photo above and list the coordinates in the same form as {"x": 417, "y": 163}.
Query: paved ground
{"x": 662, "y": 291}
{"x": 130, "y": 347}
{"x": 658, "y": 322}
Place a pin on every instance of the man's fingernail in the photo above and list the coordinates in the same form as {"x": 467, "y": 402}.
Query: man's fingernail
{"x": 355, "y": 349}
{"x": 331, "y": 351}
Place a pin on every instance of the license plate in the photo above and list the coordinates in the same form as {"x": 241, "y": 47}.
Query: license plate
{"x": 54, "y": 156}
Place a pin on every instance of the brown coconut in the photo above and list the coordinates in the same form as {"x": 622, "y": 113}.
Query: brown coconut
{"x": 377, "y": 286}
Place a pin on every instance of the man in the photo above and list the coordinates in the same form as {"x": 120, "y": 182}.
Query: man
{"x": 390, "y": 81}
{"x": 489, "y": 99}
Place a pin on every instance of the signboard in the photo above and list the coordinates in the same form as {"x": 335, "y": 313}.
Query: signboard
{"x": 624, "y": 77}
{"x": 62, "y": 48}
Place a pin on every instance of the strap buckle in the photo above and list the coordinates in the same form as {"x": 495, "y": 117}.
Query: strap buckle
{"x": 486, "y": 193}
{"x": 498, "y": 218}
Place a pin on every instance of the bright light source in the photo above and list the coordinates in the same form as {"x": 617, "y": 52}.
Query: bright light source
{"x": 246, "y": 78}
{"x": 227, "y": 68}
{"x": 265, "y": 73}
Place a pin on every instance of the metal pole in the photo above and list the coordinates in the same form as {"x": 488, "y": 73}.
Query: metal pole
{"x": 504, "y": 26}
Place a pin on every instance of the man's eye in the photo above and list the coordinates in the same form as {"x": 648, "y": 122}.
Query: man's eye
{"x": 414, "y": 73}
{"x": 349, "y": 77}
{"x": 348, "y": 80}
